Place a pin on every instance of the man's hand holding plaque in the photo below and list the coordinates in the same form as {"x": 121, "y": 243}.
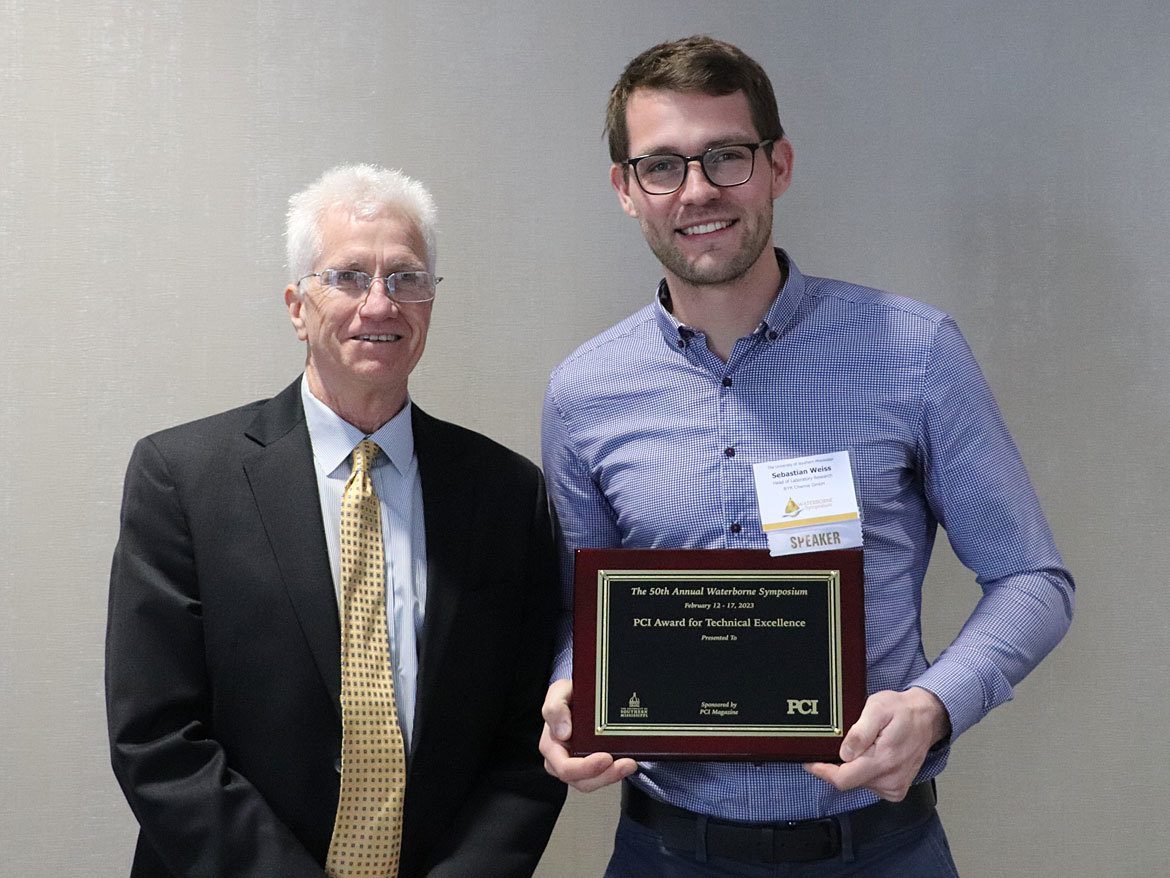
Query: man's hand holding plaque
{"x": 584, "y": 773}
{"x": 886, "y": 747}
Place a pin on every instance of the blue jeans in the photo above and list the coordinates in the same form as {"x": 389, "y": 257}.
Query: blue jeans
{"x": 917, "y": 852}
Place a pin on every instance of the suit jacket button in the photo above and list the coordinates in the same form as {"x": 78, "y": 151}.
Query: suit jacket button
{"x": 337, "y": 764}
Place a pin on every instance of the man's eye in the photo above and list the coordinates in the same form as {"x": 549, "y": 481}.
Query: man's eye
{"x": 723, "y": 156}
{"x": 661, "y": 164}
{"x": 346, "y": 276}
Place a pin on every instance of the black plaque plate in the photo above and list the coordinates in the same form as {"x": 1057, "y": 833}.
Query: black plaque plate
{"x": 717, "y": 654}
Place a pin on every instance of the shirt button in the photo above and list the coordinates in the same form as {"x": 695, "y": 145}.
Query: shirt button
{"x": 730, "y": 452}
{"x": 736, "y": 527}
{"x": 773, "y": 335}
{"x": 726, "y": 381}
{"x": 681, "y": 343}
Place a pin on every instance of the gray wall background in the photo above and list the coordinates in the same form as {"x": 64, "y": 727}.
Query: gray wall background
{"x": 1005, "y": 161}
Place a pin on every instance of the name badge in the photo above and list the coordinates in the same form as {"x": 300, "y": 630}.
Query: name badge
{"x": 808, "y": 504}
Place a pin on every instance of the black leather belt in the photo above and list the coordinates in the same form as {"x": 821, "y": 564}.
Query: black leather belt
{"x": 798, "y": 841}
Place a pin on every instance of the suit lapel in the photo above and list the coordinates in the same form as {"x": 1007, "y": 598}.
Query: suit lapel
{"x": 449, "y": 500}
{"x": 284, "y": 485}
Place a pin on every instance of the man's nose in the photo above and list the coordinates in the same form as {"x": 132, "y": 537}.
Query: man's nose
{"x": 377, "y": 301}
{"x": 696, "y": 187}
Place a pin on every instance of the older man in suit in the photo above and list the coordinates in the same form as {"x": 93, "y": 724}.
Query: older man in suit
{"x": 234, "y": 650}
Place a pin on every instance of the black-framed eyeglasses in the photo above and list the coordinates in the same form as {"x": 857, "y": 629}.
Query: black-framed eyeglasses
{"x": 729, "y": 165}
{"x": 401, "y": 286}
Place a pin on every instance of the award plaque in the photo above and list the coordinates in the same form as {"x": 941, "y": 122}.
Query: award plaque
{"x": 717, "y": 653}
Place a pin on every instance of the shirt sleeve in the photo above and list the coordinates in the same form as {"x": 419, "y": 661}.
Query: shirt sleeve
{"x": 978, "y": 489}
{"x": 583, "y": 516}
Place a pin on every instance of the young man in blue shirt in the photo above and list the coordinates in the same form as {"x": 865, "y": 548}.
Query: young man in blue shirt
{"x": 650, "y": 433}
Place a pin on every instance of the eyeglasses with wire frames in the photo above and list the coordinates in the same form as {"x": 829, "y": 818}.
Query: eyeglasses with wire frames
{"x": 731, "y": 164}
{"x": 401, "y": 286}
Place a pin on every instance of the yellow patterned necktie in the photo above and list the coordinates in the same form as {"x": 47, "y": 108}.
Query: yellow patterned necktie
{"x": 367, "y": 833}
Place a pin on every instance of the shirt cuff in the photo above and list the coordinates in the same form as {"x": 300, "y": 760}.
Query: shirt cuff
{"x": 562, "y": 668}
{"x": 968, "y": 685}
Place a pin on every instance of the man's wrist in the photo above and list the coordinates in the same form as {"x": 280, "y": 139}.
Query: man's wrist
{"x": 939, "y": 718}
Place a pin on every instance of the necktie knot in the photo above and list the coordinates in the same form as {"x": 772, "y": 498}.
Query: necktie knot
{"x": 364, "y": 455}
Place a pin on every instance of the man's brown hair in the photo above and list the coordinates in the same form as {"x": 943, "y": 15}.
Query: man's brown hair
{"x": 698, "y": 64}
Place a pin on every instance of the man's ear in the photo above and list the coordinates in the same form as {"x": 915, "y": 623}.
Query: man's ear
{"x": 781, "y": 166}
{"x": 619, "y": 178}
{"x": 296, "y": 306}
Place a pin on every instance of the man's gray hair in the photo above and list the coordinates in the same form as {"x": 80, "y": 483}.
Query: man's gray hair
{"x": 366, "y": 191}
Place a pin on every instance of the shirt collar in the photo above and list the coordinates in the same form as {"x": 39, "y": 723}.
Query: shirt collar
{"x": 778, "y": 316}
{"x": 334, "y": 439}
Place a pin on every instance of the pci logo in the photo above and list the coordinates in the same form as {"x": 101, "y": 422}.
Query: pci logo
{"x": 803, "y": 706}
{"x": 634, "y": 710}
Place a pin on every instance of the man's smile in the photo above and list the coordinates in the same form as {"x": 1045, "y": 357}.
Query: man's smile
{"x": 706, "y": 228}
{"x": 381, "y": 337}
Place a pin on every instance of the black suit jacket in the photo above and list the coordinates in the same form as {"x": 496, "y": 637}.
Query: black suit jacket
{"x": 223, "y": 654}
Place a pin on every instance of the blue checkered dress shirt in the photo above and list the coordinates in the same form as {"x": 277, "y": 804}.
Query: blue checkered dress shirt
{"x": 649, "y": 440}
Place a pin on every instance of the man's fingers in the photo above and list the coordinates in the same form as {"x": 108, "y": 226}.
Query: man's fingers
{"x": 556, "y": 711}
{"x": 559, "y": 722}
{"x": 849, "y": 776}
{"x": 864, "y": 733}
{"x": 584, "y": 773}
{"x": 826, "y": 771}
{"x": 586, "y": 777}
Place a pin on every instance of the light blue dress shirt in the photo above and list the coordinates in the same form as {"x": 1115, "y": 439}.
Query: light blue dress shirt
{"x": 649, "y": 440}
{"x": 396, "y": 482}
